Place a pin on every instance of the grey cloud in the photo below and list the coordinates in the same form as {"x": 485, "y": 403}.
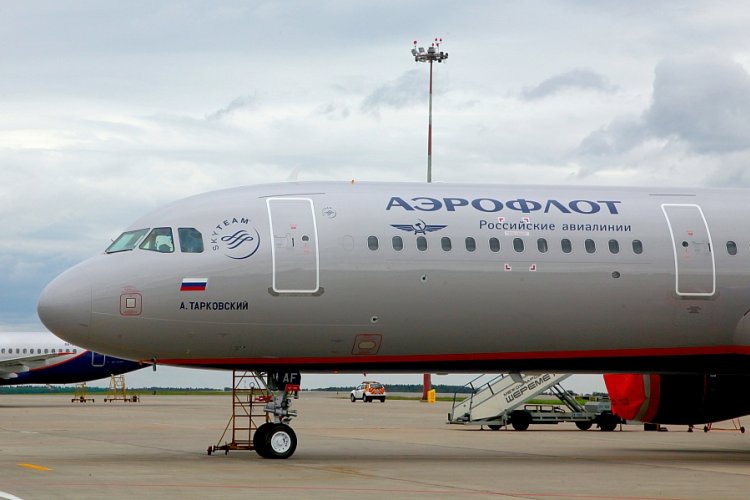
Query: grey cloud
{"x": 334, "y": 111}
{"x": 703, "y": 102}
{"x": 238, "y": 103}
{"x": 579, "y": 78}
{"x": 402, "y": 92}
{"x": 623, "y": 134}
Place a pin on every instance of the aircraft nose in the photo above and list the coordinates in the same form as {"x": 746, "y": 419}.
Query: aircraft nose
{"x": 65, "y": 306}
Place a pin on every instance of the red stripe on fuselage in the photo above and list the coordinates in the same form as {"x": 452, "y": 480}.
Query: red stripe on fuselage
{"x": 59, "y": 361}
{"x": 502, "y": 356}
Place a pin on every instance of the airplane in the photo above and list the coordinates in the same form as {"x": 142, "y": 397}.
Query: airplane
{"x": 42, "y": 358}
{"x": 411, "y": 277}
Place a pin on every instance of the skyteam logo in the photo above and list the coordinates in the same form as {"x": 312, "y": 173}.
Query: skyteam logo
{"x": 236, "y": 238}
{"x": 421, "y": 227}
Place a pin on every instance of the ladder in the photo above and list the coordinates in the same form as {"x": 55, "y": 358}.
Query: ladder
{"x": 494, "y": 397}
{"x": 250, "y": 394}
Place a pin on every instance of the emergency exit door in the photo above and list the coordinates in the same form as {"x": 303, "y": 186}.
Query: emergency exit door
{"x": 294, "y": 251}
{"x": 695, "y": 268}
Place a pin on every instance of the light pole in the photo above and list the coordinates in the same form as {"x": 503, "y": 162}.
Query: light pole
{"x": 430, "y": 55}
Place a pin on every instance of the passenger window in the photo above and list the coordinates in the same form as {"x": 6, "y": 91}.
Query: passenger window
{"x": 518, "y": 244}
{"x": 398, "y": 243}
{"x": 732, "y": 248}
{"x": 445, "y": 243}
{"x": 372, "y": 242}
{"x": 421, "y": 243}
{"x": 541, "y": 245}
{"x": 46, "y": 351}
{"x": 614, "y": 246}
{"x": 159, "y": 240}
{"x": 566, "y": 245}
{"x": 191, "y": 240}
{"x": 24, "y": 351}
{"x": 126, "y": 241}
{"x": 471, "y": 244}
{"x": 590, "y": 246}
{"x": 494, "y": 244}
{"x": 637, "y": 247}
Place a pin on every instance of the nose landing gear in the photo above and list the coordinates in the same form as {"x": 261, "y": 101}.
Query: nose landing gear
{"x": 268, "y": 399}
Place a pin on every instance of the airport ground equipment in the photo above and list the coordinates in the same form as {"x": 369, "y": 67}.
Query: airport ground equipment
{"x": 735, "y": 423}
{"x": 118, "y": 391}
{"x": 80, "y": 396}
{"x": 501, "y": 400}
{"x": 261, "y": 415}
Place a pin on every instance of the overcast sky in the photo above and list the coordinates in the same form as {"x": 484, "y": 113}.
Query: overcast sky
{"x": 108, "y": 110}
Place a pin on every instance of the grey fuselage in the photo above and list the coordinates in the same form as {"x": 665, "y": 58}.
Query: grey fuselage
{"x": 365, "y": 277}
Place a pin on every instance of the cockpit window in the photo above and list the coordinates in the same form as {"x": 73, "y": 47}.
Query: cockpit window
{"x": 126, "y": 241}
{"x": 159, "y": 240}
{"x": 191, "y": 240}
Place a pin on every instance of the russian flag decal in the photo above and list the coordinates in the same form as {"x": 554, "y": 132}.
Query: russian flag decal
{"x": 194, "y": 284}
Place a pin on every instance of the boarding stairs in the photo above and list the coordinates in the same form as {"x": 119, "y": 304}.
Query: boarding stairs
{"x": 494, "y": 397}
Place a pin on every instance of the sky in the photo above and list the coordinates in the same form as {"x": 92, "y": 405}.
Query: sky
{"x": 109, "y": 110}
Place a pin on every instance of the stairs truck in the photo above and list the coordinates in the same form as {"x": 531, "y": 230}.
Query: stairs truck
{"x": 502, "y": 400}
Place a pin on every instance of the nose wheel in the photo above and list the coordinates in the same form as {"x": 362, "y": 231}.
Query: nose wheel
{"x": 275, "y": 441}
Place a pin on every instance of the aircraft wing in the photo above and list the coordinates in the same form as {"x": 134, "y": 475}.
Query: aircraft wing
{"x": 10, "y": 368}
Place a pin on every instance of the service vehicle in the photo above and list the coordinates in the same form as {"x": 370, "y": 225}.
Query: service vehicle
{"x": 367, "y": 391}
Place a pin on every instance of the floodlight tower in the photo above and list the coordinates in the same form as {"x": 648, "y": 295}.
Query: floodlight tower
{"x": 431, "y": 55}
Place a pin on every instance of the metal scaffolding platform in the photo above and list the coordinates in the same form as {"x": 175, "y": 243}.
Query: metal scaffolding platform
{"x": 80, "y": 396}
{"x": 118, "y": 392}
{"x": 250, "y": 394}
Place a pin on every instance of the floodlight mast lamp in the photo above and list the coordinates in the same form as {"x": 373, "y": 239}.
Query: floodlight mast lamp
{"x": 431, "y": 55}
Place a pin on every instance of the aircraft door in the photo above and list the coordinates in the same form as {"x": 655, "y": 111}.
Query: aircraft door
{"x": 294, "y": 251}
{"x": 695, "y": 268}
{"x": 97, "y": 359}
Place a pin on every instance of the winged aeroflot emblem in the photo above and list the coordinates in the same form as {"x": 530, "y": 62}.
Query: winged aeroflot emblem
{"x": 420, "y": 227}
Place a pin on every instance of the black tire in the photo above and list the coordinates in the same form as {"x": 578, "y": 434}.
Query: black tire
{"x": 259, "y": 439}
{"x": 520, "y": 420}
{"x": 280, "y": 442}
{"x": 608, "y": 422}
{"x": 584, "y": 426}
{"x": 382, "y": 400}
{"x": 366, "y": 399}
{"x": 351, "y": 396}
{"x": 495, "y": 427}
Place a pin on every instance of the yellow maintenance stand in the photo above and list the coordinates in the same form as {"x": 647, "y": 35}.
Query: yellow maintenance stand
{"x": 79, "y": 396}
{"x": 118, "y": 392}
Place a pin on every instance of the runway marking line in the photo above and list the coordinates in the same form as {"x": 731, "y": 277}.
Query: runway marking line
{"x": 35, "y": 467}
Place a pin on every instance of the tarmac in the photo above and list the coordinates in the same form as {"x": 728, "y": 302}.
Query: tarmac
{"x": 52, "y": 448}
